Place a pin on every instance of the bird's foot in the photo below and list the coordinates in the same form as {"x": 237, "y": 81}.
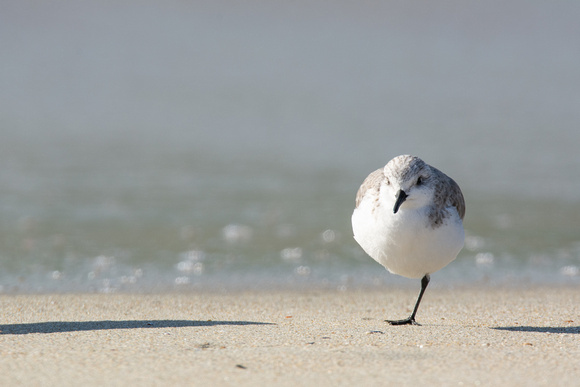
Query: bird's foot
{"x": 407, "y": 321}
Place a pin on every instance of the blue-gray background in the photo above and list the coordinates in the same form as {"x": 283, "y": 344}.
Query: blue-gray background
{"x": 219, "y": 144}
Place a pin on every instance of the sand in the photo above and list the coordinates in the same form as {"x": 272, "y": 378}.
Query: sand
{"x": 474, "y": 336}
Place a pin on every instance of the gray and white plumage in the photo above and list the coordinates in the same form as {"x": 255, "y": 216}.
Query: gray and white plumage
{"x": 409, "y": 217}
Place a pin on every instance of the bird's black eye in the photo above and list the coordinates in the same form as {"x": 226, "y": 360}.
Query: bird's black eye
{"x": 419, "y": 181}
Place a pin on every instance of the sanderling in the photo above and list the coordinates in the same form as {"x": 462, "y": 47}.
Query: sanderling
{"x": 409, "y": 218}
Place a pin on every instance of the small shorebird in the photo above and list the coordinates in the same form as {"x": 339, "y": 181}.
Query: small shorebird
{"x": 409, "y": 218}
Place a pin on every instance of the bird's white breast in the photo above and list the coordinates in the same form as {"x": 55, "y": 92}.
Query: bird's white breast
{"x": 405, "y": 243}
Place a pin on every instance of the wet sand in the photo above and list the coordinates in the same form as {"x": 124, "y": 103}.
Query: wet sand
{"x": 469, "y": 336}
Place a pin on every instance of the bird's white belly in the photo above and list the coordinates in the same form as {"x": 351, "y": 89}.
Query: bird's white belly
{"x": 404, "y": 243}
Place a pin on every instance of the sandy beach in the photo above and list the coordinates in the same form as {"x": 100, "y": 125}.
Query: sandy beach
{"x": 474, "y": 336}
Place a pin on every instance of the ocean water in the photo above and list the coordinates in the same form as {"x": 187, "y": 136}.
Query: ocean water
{"x": 160, "y": 146}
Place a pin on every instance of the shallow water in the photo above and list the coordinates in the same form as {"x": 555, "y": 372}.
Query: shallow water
{"x": 220, "y": 145}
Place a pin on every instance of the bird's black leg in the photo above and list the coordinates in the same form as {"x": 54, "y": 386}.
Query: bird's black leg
{"x": 411, "y": 318}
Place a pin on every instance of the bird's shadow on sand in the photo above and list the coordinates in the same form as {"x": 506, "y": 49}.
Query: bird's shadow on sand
{"x": 569, "y": 330}
{"x": 78, "y": 326}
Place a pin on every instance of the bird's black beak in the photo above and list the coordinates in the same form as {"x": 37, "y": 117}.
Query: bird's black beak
{"x": 401, "y": 196}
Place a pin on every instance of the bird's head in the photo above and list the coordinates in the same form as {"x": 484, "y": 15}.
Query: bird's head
{"x": 409, "y": 181}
